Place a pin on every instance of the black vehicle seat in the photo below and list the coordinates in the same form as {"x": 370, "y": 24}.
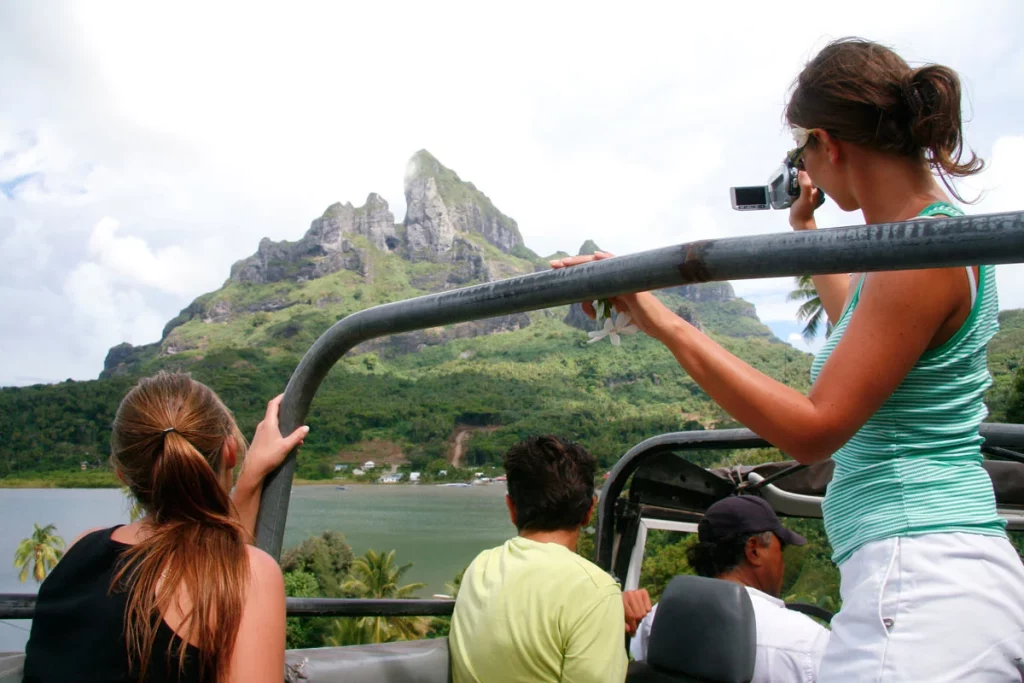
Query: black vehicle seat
{"x": 703, "y": 631}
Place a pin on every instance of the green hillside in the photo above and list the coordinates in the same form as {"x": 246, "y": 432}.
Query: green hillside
{"x": 1006, "y": 361}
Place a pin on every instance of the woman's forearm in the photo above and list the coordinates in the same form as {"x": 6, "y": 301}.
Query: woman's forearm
{"x": 782, "y": 416}
{"x": 246, "y": 499}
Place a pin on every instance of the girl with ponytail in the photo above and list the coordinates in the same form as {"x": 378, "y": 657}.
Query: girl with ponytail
{"x": 178, "y": 595}
{"x": 932, "y": 590}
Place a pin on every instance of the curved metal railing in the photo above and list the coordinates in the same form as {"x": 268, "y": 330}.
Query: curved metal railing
{"x": 999, "y": 438}
{"x": 944, "y": 242}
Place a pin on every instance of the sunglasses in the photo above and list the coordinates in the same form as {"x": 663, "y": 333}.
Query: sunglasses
{"x": 795, "y": 157}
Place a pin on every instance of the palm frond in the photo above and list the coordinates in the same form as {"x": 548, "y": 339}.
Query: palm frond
{"x": 811, "y": 311}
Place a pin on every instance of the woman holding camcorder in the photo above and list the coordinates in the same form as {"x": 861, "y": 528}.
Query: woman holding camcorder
{"x": 932, "y": 589}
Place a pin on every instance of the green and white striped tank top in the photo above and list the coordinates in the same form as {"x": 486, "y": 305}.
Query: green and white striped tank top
{"x": 915, "y": 466}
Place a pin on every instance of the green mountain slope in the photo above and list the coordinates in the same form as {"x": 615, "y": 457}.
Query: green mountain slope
{"x": 1006, "y": 361}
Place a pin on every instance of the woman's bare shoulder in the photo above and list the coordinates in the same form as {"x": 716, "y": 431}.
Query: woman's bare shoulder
{"x": 264, "y": 569}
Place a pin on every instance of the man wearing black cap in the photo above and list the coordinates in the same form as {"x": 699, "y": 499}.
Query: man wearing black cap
{"x": 741, "y": 539}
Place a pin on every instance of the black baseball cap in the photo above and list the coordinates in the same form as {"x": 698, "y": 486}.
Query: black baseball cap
{"x": 741, "y": 516}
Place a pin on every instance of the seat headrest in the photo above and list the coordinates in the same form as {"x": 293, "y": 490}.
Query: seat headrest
{"x": 705, "y": 629}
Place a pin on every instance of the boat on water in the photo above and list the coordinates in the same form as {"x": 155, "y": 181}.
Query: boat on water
{"x": 339, "y": 488}
{"x": 460, "y": 485}
{"x": 653, "y": 486}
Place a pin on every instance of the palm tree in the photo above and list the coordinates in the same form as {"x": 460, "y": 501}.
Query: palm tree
{"x": 375, "y": 575}
{"x": 440, "y": 627}
{"x": 349, "y": 631}
{"x": 455, "y": 584}
{"x": 811, "y": 309}
{"x": 39, "y": 554}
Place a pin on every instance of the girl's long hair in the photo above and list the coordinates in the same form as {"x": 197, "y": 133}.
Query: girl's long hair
{"x": 168, "y": 440}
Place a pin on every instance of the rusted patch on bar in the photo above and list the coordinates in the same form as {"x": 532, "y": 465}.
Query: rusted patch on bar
{"x": 693, "y": 268}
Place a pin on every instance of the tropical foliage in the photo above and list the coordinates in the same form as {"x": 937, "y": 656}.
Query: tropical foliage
{"x": 1015, "y": 408}
{"x": 38, "y": 554}
{"x": 325, "y": 566}
{"x": 543, "y": 378}
{"x": 811, "y": 312}
{"x": 375, "y": 575}
{"x": 327, "y": 557}
{"x": 441, "y": 626}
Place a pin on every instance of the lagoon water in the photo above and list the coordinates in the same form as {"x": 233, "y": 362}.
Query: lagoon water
{"x": 438, "y": 529}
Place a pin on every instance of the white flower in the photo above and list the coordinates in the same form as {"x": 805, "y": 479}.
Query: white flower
{"x": 800, "y": 135}
{"x": 623, "y": 325}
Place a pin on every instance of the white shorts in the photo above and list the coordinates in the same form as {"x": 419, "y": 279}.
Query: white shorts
{"x": 938, "y": 607}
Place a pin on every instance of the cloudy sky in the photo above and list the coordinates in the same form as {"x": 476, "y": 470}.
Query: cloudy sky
{"x": 144, "y": 149}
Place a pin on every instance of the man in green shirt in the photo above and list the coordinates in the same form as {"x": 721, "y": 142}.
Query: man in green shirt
{"x": 532, "y": 610}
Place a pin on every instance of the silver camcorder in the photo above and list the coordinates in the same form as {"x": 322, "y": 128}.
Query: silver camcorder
{"x": 782, "y": 190}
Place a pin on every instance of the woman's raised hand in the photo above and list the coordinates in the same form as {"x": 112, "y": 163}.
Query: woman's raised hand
{"x": 269, "y": 447}
{"x": 644, "y": 309}
{"x": 801, "y": 213}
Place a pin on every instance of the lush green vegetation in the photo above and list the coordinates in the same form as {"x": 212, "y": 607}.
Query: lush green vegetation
{"x": 542, "y": 378}
{"x": 1006, "y": 361}
{"x": 325, "y": 566}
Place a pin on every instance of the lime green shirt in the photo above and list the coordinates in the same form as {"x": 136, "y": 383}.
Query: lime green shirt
{"x": 534, "y": 612}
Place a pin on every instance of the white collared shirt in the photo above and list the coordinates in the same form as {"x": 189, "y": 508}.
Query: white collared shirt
{"x": 790, "y": 645}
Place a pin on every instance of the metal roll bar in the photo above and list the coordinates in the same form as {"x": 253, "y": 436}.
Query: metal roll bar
{"x": 999, "y": 438}
{"x": 23, "y": 606}
{"x": 938, "y": 243}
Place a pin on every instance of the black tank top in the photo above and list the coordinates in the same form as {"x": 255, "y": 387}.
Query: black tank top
{"x": 78, "y": 627}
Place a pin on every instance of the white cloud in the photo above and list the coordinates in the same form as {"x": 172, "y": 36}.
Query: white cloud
{"x": 130, "y": 258}
{"x": 203, "y": 127}
{"x": 22, "y": 252}
{"x": 106, "y": 313}
{"x": 1001, "y": 186}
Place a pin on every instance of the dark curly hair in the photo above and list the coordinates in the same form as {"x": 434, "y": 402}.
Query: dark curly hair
{"x": 551, "y": 483}
{"x": 716, "y": 558}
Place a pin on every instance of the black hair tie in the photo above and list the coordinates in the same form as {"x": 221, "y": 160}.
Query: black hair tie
{"x": 169, "y": 430}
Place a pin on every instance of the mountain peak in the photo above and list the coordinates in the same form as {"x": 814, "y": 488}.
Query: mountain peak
{"x": 441, "y": 204}
{"x": 589, "y": 248}
{"x": 423, "y": 163}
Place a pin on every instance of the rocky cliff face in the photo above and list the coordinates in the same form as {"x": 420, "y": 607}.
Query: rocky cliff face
{"x": 447, "y": 227}
{"x": 452, "y": 236}
{"x": 373, "y": 220}
{"x": 440, "y": 205}
{"x": 428, "y": 226}
{"x": 325, "y": 248}
{"x": 706, "y": 292}
{"x": 443, "y": 213}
